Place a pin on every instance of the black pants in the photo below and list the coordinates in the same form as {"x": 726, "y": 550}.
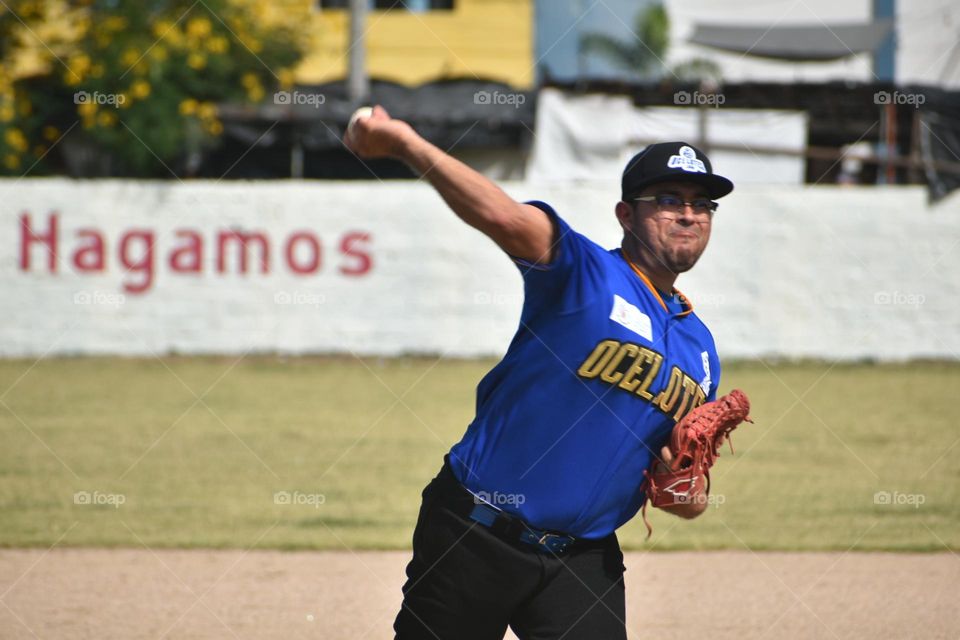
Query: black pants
{"x": 465, "y": 583}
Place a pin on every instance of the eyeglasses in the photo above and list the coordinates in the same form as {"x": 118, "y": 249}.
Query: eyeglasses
{"x": 703, "y": 207}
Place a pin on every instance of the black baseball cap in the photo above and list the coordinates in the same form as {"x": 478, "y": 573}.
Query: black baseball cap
{"x": 671, "y": 161}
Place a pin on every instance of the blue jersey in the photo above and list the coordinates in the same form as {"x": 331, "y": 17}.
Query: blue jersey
{"x": 599, "y": 371}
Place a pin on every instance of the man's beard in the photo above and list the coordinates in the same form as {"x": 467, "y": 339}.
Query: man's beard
{"x": 682, "y": 260}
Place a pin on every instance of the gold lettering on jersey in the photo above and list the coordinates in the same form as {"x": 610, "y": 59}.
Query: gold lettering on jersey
{"x": 633, "y": 368}
{"x": 610, "y": 373}
{"x": 648, "y": 362}
{"x": 668, "y": 397}
{"x": 689, "y": 387}
{"x": 598, "y": 359}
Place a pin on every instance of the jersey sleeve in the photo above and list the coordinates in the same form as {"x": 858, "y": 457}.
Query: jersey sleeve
{"x": 573, "y": 278}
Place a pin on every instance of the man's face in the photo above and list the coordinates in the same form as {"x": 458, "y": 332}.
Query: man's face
{"x": 667, "y": 237}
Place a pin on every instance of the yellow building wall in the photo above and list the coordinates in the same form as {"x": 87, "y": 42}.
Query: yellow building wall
{"x": 487, "y": 39}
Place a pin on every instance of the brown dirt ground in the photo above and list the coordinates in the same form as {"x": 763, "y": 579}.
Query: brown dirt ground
{"x": 94, "y": 593}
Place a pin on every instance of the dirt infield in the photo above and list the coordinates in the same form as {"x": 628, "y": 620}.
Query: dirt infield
{"x": 92, "y": 593}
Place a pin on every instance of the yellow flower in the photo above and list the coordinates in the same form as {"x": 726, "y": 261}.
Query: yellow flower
{"x": 207, "y": 110}
{"x": 213, "y": 127}
{"x": 286, "y": 77}
{"x": 188, "y": 107}
{"x": 140, "y": 89}
{"x": 161, "y": 28}
{"x": 11, "y": 161}
{"x": 79, "y": 64}
{"x": 71, "y": 79}
{"x": 50, "y": 133}
{"x": 16, "y": 139}
{"x": 130, "y": 56}
{"x": 198, "y": 27}
{"x": 115, "y": 23}
{"x": 87, "y": 109}
{"x": 158, "y": 53}
{"x": 96, "y": 70}
{"x": 197, "y": 61}
{"x": 255, "y": 93}
{"x": 107, "y": 119}
{"x": 218, "y": 44}
{"x": 6, "y": 113}
{"x": 249, "y": 80}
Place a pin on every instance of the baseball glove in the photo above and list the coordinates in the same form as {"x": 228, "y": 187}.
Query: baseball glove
{"x": 694, "y": 445}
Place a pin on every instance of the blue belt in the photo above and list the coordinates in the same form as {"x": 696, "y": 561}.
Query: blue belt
{"x": 513, "y": 528}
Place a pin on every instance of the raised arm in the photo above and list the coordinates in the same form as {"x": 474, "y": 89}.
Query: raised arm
{"x": 520, "y": 230}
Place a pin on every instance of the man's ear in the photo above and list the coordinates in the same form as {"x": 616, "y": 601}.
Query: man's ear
{"x": 624, "y": 214}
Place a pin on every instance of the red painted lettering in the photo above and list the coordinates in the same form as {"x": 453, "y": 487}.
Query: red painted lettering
{"x": 313, "y": 246}
{"x": 144, "y": 264}
{"x": 189, "y": 257}
{"x": 28, "y": 237}
{"x": 244, "y": 239}
{"x": 89, "y": 256}
{"x": 349, "y": 247}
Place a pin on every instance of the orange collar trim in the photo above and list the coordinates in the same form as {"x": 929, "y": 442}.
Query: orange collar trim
{"x": 646, "y": 281}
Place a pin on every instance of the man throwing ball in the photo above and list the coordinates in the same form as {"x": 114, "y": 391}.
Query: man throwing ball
{"x": 606, "y": 397}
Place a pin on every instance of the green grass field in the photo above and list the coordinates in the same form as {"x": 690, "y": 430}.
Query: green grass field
{"x": 197, "y": 448}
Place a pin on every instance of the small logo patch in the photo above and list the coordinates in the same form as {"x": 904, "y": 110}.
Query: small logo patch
{"x": 705, "y": 383}
{"x": 628, "y": 315}
{"x": 687, "y": 160}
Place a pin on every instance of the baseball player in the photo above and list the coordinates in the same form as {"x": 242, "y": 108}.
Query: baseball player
{"x": 518, "y": 528}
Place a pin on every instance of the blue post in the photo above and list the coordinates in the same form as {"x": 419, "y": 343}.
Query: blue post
{"x": 884, "y": 57}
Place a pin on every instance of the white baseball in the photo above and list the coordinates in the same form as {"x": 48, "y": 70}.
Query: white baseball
{"x": 362, "y": 112}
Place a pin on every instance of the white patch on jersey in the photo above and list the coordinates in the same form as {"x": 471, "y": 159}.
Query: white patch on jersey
{"x": 631, "y": 317}
{"x": 687, "y": 160}
{"x": 705, "y": 383}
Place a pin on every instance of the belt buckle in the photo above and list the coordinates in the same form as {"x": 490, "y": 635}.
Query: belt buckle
{"x": 554, "y": 543}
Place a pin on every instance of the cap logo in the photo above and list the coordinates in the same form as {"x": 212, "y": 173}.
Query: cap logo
{"x": 687, "y": 160}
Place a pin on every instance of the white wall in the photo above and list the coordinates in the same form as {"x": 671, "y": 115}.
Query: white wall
{"x": 735, "y": 67}
{"x": 926, "y": 33}
{"x": 791, "y": 271}
{"x": 928, "y": 49}
{"x": 572, "y": 142}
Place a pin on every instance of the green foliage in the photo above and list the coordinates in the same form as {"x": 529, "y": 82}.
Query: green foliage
{"x": 643, "y": 54}
{"x": 134, "y": 84}
{"x": 698, "y": 70}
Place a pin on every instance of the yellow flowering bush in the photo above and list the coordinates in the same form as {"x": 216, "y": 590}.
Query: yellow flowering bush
{"x": 137, "y": 82}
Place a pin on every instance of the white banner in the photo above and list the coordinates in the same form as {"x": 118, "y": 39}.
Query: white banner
{"x": 140, "y": 268}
